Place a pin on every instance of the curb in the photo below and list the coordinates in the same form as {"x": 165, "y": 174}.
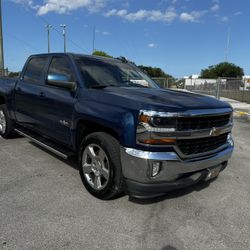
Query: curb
{"x": 242, "y": 114}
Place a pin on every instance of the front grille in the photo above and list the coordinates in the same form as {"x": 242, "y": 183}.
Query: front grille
{"x": 202, "y": 122}
{"x": 201, "y": 145}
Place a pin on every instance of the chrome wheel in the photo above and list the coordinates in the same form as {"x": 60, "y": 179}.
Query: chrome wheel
{"x": 2, "y": 122}
{"x": 95, "y": 167}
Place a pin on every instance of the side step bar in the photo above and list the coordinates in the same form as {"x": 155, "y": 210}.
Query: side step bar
{"x": 56, "y": 149}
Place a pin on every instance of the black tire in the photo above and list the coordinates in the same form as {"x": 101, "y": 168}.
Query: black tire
{"x": 10, "y": 125}
{"x": 111, "y": 147}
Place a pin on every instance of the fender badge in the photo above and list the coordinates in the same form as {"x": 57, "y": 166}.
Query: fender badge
{"x": 64, "y": 123}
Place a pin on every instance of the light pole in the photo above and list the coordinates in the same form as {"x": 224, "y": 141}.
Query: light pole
{"x": 64, "y": 36}
{"x": 48, "y": 26}
{"x": 1, "y": 43}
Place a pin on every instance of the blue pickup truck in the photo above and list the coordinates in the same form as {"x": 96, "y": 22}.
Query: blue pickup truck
{"x": 129, "y": 135}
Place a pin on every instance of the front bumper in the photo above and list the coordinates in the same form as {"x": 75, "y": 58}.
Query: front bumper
{"x": 175, "y": 172}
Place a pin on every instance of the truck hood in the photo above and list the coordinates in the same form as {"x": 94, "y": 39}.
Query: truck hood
{"x": 158, "y": 99}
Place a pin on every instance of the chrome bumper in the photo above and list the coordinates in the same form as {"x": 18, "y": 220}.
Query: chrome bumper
{"x": 136, "y": 164}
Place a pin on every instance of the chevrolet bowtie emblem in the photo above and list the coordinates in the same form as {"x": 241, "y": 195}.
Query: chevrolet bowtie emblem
{"x": 214, "y": 132}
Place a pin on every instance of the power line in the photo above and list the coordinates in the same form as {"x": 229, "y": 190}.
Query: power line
{"x": 59, "y": 32}
{"x": 21, "y": 41}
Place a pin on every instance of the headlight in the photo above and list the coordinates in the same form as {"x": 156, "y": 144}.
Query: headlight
{"x": 157, "y": 121}
{"x": 150, "y": 122}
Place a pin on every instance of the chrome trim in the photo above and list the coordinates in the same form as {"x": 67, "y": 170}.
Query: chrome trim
{"x": 188, "y": 134}
{"x": 147, "y": 128}
{"x": 64, "y": 156}
{"x": 161, "y": 156}
{"x": 200, "y": 112}
{"x": 136, "y": 164}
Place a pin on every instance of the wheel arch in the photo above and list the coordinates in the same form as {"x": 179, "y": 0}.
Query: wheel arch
{"x": 85, "y": 127}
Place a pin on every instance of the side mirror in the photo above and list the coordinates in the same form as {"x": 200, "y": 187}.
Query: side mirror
{"x": 61, "y": 81}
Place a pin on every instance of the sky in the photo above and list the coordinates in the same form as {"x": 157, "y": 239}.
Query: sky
{"x": 180, "y": 36}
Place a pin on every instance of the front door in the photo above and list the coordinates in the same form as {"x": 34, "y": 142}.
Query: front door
{"x": 59, "y": 108}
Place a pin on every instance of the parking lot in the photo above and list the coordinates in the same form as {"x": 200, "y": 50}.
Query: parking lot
{"x": 43, "y": 205}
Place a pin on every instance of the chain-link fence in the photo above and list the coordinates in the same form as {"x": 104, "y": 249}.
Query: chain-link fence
{"x": 233, "y": 88}
{"x": 164, "y": 82}
{"x": 4, "y": 72}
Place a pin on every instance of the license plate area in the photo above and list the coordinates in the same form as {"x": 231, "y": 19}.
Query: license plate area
{"x": 213, "y": 172}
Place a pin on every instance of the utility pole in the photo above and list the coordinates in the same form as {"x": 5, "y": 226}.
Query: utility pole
{"x": 64, "y": 37}
{"x": 48, "y": 26}
{"x": 93, "y": 40}
{"x": 1, "y": 43}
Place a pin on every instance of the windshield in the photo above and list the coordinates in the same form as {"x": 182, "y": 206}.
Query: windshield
{"x": 97, "y": 73}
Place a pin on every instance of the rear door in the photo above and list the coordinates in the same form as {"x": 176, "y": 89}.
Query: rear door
{"x": 29, "y": 96}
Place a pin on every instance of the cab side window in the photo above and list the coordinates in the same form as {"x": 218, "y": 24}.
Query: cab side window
{"x": 34, "y": 72}
{"x": 60, "y": 66}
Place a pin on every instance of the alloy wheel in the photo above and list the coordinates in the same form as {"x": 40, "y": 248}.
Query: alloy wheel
{"x": 96, "y": 168}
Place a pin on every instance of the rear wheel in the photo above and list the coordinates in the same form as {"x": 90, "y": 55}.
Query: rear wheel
{"x": 6, "y": 124}
{"x": 100, "y": 167}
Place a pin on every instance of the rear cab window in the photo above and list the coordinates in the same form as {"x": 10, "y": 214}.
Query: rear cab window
{"x": 34, "y": 72}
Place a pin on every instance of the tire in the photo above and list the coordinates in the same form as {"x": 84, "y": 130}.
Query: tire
{"x": 99, "y": 159}
{"x": 7, "y": 126}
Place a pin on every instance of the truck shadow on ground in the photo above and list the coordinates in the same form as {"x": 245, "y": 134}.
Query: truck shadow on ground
{"x": 173, "y": 194}
{"x": 73, "y": 163}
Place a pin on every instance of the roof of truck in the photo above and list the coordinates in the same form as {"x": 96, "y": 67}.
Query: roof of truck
{"x": 101, "y": 58}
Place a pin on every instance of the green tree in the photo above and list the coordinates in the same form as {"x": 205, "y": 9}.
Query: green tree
{"x": 154, "y": 72}
{"x": 101, "y": 53}
{"x": 14, "y": 74}
{"x": 223, "y": 69}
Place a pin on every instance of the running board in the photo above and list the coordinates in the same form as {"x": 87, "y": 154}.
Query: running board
{"x": 50, "y": 146}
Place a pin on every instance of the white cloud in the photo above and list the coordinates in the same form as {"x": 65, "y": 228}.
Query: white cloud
{"x": 225, "y": 19}
{"x": 215, "y": 7}
{"x": 111, "y": 13}
{"x": 238, "y": 13}
{"x": 193, "y": 16}
{"x": 27, "y": 3}
{"x": 106, "y": 33}
{"x": 150, "y": 15}
{"x": 66, "y": 6}
{"x": 152, "y": 45}
{"x": 121, "y": 12}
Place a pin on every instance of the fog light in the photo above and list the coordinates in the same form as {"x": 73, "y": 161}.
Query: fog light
{"x": 156, "y": 168}
{"x": 230, "y": 139}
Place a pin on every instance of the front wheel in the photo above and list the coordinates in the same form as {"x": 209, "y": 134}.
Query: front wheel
{"x": 100, "y": 165}
{"x": 6, "y": 124}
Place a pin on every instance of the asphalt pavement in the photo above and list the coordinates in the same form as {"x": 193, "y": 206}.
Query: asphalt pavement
{"x": 43, "y": 205}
